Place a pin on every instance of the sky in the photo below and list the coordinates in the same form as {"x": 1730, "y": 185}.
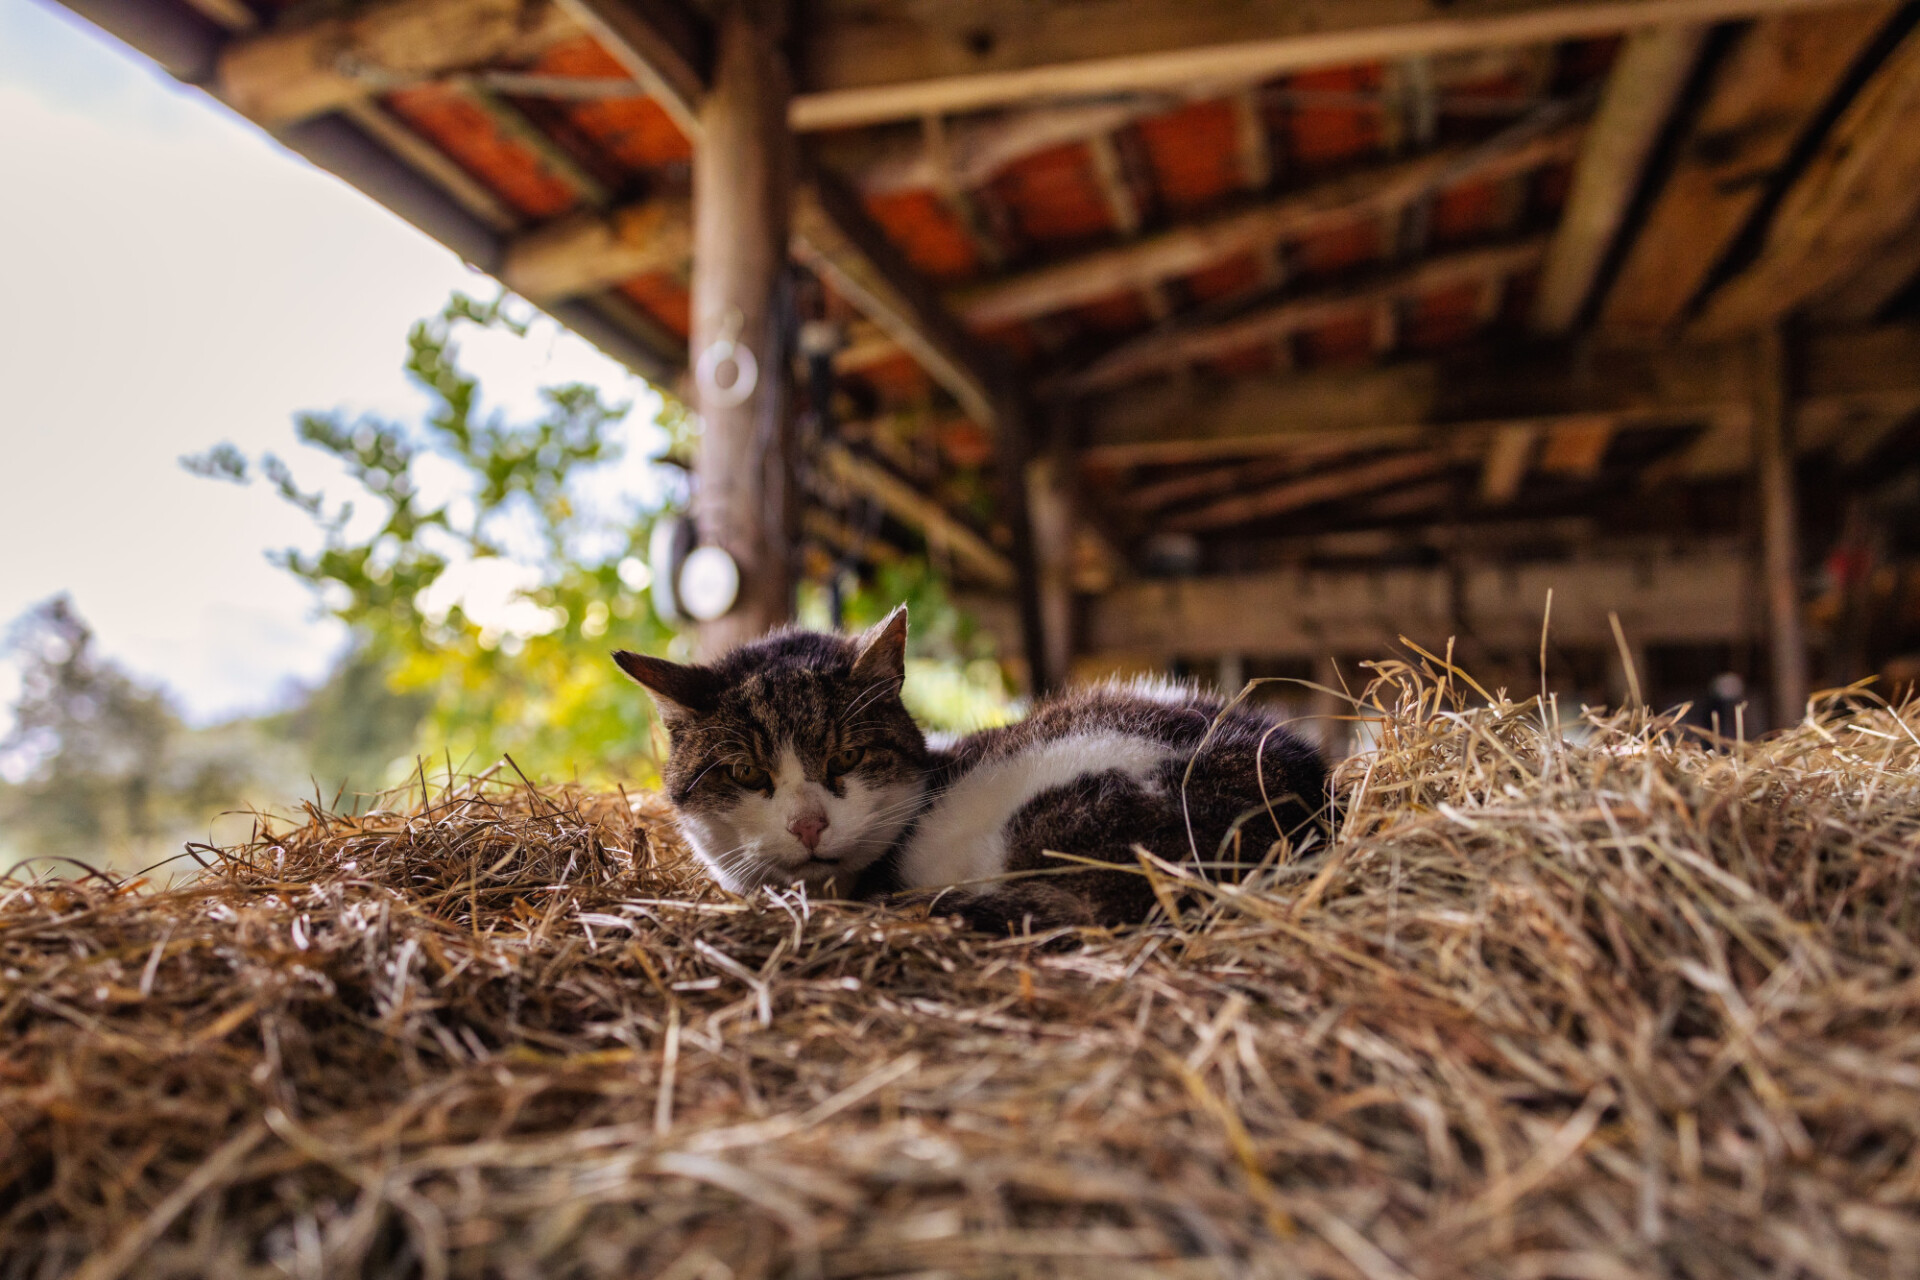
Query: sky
{"x": 174, "y": 279}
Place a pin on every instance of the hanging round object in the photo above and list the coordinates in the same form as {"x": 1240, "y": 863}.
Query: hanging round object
{"x": 726, "y": 374}
{"x": 709, "y": 583}
{"x": 667, "y": 550}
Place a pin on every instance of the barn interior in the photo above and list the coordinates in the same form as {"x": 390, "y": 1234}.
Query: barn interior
{"x": 1240, "y": 339}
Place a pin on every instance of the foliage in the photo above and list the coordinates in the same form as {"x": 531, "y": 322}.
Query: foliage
{"x": 405, "y": 565}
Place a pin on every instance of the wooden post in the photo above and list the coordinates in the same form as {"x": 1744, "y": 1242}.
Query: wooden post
{"x": 1013, "y": 452}
{"x": 744, "y": 498}
{"x": 1050, "y": 512}
{"x": 1779, "y": 534}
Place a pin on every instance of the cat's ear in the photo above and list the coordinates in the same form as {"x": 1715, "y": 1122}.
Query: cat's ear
{"x": 883, "y": 650}
{"x": 678, "y": 690}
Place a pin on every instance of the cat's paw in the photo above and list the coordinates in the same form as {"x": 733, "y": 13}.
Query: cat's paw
{"x": 1017, "y": 907}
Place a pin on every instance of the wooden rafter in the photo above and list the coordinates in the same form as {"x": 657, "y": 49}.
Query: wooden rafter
{"x": 662, "y": 44}
{"x": 1307, "y": 491}
{"x": 287, "y": 74}
{"x": 1181, "y": 345}
{"x": 1640, "y": 95}
{"x": 1578, "y": 387}
{"x": 944, "y": 532}
{"x": 834, "y": 235}
{"x": 589, "y": 251}
{"x": 864, "y": 62}
{"x": 1858, "y": 192}
{"x": 1185, "y": 249}
{"x": 1766, "y": 89}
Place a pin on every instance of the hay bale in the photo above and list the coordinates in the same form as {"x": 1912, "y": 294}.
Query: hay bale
{"x": 1624, "y": 1006}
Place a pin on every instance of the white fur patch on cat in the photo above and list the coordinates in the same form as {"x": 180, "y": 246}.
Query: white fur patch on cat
{"x": 1172, "y": 693}
{"x": 963, "y": 836}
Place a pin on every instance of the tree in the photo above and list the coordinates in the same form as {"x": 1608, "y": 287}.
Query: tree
{"x": 94, "y": 753}
{"x": 404, "y": 567}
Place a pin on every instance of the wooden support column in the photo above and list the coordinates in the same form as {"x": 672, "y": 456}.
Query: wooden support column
{"x": 1013, "y": 453}
{"x": 1779, "y": 532}
{"x": 744, "y": 495}
{"x": 1050, "y": 512}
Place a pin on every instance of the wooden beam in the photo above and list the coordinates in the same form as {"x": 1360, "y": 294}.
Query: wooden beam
{"x": 1773, "y": 455}
{"x": 1188, "y": 248}
{"x": 946, "y": 535}
{"x": 1577, "y": 387}
{"x": 589, "y": 250}
{"x": 864, "y": 62}
{"x": 1309, "y": 491}
{"x": 1641, "y": 91}
{"x": 1577, "y": 449}
{"x": 431, "y": 163}
{"x": 1176, "y": 345}
{"x": 580, "y": 255}
{"x": 1860, "y": 190}
{"x": 281, "y": 76}
{"x": 662, "y": 44}
{"x": 834, "y": 235}
{"x": 1697, "y": 599}
{"x": 1861, "y": 297}
{"x": 1765, "y": 91}
{"x": 975, "y": 149}
{"x": 1509, "y": 453}
{"x": 745, "y": 496}
{"x": 1402, "y": 403}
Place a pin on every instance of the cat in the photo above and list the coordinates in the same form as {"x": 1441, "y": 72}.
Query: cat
{"x": 793, "y": 759}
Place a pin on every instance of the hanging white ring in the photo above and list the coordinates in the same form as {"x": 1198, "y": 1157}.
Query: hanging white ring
{"x": 719, "y": 355}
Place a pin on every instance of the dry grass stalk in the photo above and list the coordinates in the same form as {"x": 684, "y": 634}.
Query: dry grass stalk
{"x": 1620, "y": 1006}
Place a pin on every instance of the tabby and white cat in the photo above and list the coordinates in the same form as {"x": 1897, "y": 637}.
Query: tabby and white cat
{"x": 793, "y": 759}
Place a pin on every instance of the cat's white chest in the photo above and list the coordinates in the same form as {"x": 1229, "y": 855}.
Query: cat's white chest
{"x": 962, "y": 836}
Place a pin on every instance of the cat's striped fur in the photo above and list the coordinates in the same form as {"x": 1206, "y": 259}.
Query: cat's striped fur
{"x": 800, "y": 729}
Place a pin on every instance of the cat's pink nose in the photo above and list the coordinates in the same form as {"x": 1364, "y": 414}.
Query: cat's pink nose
{"x": 808, "y": 827}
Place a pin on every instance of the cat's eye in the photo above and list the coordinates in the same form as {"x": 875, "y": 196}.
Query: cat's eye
{"x": 751, "y": 776}
{"x": 846, "y": 760}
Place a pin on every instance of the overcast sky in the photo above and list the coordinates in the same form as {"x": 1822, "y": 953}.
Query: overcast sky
{"x": 170, "y": 279}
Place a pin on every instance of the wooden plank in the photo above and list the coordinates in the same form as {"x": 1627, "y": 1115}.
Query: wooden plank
{"x": 662, "y": 44}
{"x": 745, "y": 497}
{"x": 1172, "y": 347}
{"x": 1641, "y": 92}
{"x": 431, "y": 163}
{"x": 1579, "y": 387}
{"x": 1577, "y": 449}
{"x": 1764, "y": 93}
{"x": 974, "y": 150}
{"x": 579, "y": 256}
{"x": 1859, "y": 191}
{"x": 864, "y": 62}
{"x": 1185, "y": 249}
{"x": 1408, "y": 402}
{"x": 1308, "y": 491}
{"x": 1779, "y": 525}
{"x": 834, "y": 235}
{"x": 588, "y": 251}
{"x": 946, "y": 534}
{"x": 1509, "y": 453}
{"x": 1291, "y": 613}
{"x": 278, "y": 77}
{"x": 1871, "y": 288}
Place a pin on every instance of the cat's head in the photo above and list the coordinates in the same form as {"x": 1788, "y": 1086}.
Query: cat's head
{"x": 792, "y": 758}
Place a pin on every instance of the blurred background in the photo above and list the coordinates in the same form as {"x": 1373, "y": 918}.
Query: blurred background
{"x": 1217, "y": 346}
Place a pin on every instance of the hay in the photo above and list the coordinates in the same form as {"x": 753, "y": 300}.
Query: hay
{"x": 1623, "y": 1006}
